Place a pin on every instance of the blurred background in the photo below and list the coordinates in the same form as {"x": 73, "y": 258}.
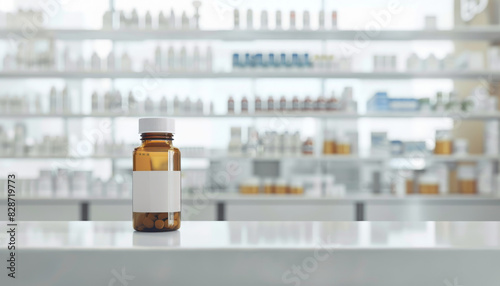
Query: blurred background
{"x": 285, "y": 110}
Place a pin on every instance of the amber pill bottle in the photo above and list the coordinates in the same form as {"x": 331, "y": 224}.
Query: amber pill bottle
{"x": 156, "y": 199}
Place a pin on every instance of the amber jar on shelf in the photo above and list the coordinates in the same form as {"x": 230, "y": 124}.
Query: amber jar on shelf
{"x": 250, "y": 186}
{"x": 428, "y": 183}
{"x": 443, "y": 143}
{"x": 156, "y": 202}
{"x": 467, "y": 181}
{"x": 329, "y": 144}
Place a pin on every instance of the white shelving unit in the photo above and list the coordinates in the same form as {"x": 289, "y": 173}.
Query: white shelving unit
{"x": 299, "y": 73}
{"x": 493, "y": 115}
{"x": 486, "y": 33}
{"x": 322, "y": 158}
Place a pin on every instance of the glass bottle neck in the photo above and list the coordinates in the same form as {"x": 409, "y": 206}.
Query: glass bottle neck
{"x": 157, "y": 136}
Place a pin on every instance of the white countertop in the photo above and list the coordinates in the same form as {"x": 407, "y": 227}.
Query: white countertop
{"x": 259, "y": 253}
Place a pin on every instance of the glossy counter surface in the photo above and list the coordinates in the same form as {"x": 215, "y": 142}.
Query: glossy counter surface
{"x": 258, "y": 253}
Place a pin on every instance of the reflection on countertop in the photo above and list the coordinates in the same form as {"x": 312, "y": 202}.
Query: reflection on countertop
{"x": 254, "y": 235}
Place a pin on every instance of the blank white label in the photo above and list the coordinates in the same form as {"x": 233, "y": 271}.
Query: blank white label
{"x": 156, "y": 191}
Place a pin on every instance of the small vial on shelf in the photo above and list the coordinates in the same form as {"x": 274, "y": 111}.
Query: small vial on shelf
{"x": 244, "y": 105}
{"x": 283, "y": 104}
{"x": 332, "y": 103}
{"x": 230, "y": 105}
{"x": 308, "y": 104}
{"x": 295, "y": 104}
{"x": 258, "y": 104}
{"x": 321, "y": 104}
{"x": 308, "y": 147}
{"x": 334, "y": 20}
{"x": 156, "y": 202}
{"x": 270, "y": 104}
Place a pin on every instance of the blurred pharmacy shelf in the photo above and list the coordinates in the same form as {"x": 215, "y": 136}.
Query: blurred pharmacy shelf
{"x": 238, "y": 207}
{"x": 299, "y": 73}
{"x": 321, "y": 158}
{"x": 481, "y": 33}
{"x": 472, "y": 115}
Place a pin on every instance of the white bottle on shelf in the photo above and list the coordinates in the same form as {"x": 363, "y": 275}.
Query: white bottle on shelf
{"x": 171, "y": 59}
{"x": 292, "y": 20}
{"x": 80, "y": 64}
{"x": 149, "y": 105}
{"x": 66, "y": 104}
{"x": 132, "y": 104}
{"x": 249, "y": 19}
{"x": 334, "y": 20}
{"x": 158, "y": 59}
{"x": 278, "y": 20}
{"x": 53, "y": 106}
{"x": 108, "y": 102}
{"x": 199, "y": 107}
{"x": 321, "y": 20}
{"x": 95, "y": 62}
{"x": 123, "y": 22}
{"x": 306, "y": 21}
{"x": 183, "y": 59}
{"x": 134, "y": 20}
{"x": 196, "y": 59}
{"x": 184, "y": 21}
{"x": 117, "y": 105}
{"x": 163, "y": 21}
{"x": 171, "y": 20}
{"x": 177, "y": 105}
{"x": 148, "y": 21}
{"x": 196, "y": 16}
{"x": 95, "y": 103}
{"x": 126, "y": 64}
{"x": 209, "y": 59}
{"x": 264, "y": 20}
{"x": 163, "y": 105}
{"x": 187, "y": 106}
{"x": 107, "y": 20}
{"x": 110, "y": 61}
{"x": 37, "y": 108}
{"x": 236, "y": 19}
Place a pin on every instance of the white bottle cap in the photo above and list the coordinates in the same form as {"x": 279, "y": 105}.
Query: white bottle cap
{"x": 156, "y": 124}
